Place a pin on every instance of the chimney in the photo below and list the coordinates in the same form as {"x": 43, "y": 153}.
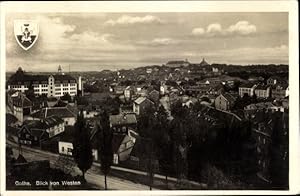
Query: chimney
{"x": 80, "y": 85}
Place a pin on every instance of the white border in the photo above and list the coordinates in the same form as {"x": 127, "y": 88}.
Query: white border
{"x": 170, "y": 6}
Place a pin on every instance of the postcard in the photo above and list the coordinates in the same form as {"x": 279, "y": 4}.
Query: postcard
{"x": 154, "y": 98}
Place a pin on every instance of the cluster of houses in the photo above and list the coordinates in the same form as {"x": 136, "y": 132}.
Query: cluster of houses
{"x": 51, "y": 118}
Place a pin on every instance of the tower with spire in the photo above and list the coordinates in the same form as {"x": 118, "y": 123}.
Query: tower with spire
{"x": 59, "y": 70}
{"x": 203, "y": 62}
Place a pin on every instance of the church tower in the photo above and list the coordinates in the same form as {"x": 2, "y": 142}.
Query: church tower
{"x": 59, "y": 70}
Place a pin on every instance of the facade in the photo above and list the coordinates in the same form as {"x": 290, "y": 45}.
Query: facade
{"x": 65, "y": 147}
{"x": 56, "y": 85}
{"x": 140, "y": 105}
{"x": 225, "y": 102}
{"x": 122, "y": 145}
{"x": 274, "y": 80}
{"x": 19, "y": 104}
{"x": 262, "y": 91}
{"x": 33, "y": 132}
{"x": 280, "y": 91}
{"x": 65, "y": 144}
{"x": 247, "y": 89}
{"x": 128, "y": 92}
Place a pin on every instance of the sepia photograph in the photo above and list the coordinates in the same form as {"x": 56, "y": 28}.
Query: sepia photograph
{"x": 147, "y": 100}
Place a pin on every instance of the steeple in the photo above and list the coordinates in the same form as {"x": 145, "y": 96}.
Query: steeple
{"x": 203, "y": 62}
{"x": 59, "y": 69}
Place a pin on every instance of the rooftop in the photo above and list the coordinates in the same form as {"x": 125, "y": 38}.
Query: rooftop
{"x": 229, "y": 97}
{"x": 43, "y": 124}
{"x": 246, "y": 85}
{"x": 261, "y": 87}
{"x": 122, "y": 119}
{"x": 61, "y": 112}
{"x": 24, "y": 78}
{"x": 140, "y": 100}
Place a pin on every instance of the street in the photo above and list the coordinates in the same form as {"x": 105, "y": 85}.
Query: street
{"x": 92, "y": 177}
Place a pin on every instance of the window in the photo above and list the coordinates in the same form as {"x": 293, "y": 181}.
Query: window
{"x": 264, "y": 141}
{"x": 62, "y": 149}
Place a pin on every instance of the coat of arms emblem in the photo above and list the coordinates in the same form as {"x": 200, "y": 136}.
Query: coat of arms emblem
{"x": 26, "y": 33}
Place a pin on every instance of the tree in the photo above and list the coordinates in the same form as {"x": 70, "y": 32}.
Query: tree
{"x": 30, "y": 93}
{"x": 279, "y": 173}
{"x": 82, "y": 151}
{"x": 164, "y": 143}
{"x": 106, "y": 154}
{"x": 66, "y": 97}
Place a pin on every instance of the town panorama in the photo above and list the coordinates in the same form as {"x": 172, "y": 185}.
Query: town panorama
{"x": 151, "y": 101}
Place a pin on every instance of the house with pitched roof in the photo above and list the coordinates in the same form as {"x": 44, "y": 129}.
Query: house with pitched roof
{"x": 262, "y": 91}
{"x": 19, "y": 105}
{"x": 141, "y": 104}
{"x": 280, "y": 91}
{"x": 65, "y": 143}
{"x": 122, "y": 145}
{"x": 225, "y": 101}
{"x": 122, "y": 123}
{"x": 33, "y": 132}
{"x": 247, "y": 88}
{"x": 65, "y": 113}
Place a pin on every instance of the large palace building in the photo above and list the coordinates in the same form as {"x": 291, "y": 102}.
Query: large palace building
{"x": 54, "y": 85}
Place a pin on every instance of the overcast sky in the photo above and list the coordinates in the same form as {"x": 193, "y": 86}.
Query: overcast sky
{"x": 97, "y": 41}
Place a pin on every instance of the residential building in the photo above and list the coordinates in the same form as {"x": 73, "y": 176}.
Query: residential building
{"x": 122, "y": 123}
{"x": 65, "y": 113}
{"x": 54, "y": 85}
{"x": 20, "y": 106}
{"x": 65, "y": 144}
{"x": 274, "y": 80}
{"x": 33, "y": 132}
{"x": 247, "y": 88}
{"x": 225, "y": 101}
{"x": 140, "y": 105}
{"x": 128, "y": 91}
{"x": 280, "y": 91}
{"x": 262, "y": 91}
{"x": 122, "y": 145}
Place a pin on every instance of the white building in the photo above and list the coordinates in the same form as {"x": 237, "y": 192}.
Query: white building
{"x": 55, "y": 85}
{"x": 248, "y": 89}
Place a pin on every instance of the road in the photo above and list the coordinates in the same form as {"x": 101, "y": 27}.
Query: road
{"x": 97, "y": 179}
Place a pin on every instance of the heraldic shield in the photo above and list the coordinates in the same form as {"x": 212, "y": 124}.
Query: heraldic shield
{"x": 26, "y": 33}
